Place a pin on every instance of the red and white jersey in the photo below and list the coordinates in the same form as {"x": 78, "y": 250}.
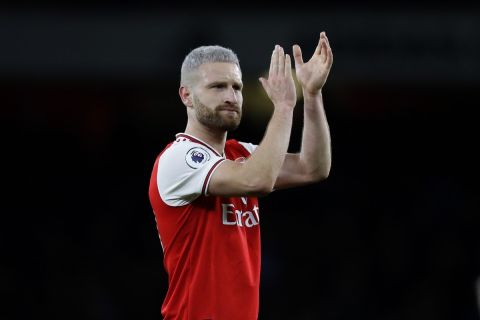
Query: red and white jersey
{"x": 211, "y": 244}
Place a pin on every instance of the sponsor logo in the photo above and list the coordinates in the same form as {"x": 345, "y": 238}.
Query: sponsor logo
{"x": 231, "y": 216}
{"x": 196, "y": 157}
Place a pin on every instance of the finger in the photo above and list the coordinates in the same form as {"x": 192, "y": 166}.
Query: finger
{"x": 327, "y": 50}
{"x": 274, "y": 69}
{"x": 326, "y": 39}
{"x": 272, "y": 61}
{"x": 288, "y": 66}
{"x": 297, "y": 55}
{"x": 324, "y": 51}
{"x": 281, "y": 61}
{"x": 329, "y": 59}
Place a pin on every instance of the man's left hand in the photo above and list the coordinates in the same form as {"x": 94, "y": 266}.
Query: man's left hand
{"x": 313, "y": 74}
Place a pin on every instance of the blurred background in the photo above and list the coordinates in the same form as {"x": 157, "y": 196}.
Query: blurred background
{"x": 88, "y": 95}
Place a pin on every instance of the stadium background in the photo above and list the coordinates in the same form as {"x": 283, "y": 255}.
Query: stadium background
{"x": 89, "y": 97}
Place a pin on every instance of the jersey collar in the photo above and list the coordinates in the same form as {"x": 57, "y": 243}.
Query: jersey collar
{"x": 197, "y": 140}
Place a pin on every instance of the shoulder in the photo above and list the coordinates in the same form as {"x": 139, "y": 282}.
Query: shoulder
{"x": 186, "y": 152}
{"x": 183, "y": 172}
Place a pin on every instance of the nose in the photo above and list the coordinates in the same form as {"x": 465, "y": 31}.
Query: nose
{"x": 231, "y": 96}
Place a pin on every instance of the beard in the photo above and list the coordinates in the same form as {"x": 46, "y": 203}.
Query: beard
{"x": 216, "y": 118}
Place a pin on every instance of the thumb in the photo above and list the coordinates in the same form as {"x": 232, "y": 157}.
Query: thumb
{"x": 264, "y": 83}
{"x": 297, "y": 55}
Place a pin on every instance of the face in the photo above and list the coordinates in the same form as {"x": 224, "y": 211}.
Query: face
{"x": 217, "y": 96}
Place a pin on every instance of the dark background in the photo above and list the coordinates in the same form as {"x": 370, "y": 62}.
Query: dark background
{"x": 88, "y": 96}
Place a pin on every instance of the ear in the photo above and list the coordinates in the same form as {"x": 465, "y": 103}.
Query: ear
{"x": 186, "y": 96}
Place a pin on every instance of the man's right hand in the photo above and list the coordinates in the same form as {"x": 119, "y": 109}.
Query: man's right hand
{"x": 258, "y": 174}
{"x": 279, "y": 86}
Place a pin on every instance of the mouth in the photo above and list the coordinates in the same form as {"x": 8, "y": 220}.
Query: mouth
{"x": 227, "y": 109}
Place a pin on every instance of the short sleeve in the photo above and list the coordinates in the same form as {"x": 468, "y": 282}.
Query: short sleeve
{"x": 184, "y": 171}
{"x": 249, "y": 146}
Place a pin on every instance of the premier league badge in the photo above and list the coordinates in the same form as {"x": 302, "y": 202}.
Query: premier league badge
{"x": 196, "y": 157}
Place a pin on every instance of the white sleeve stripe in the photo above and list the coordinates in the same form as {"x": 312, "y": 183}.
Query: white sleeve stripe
{"x": 209, "y": 175}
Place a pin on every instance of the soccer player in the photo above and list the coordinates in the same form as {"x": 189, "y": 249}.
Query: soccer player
{"x": 204, "y": 188}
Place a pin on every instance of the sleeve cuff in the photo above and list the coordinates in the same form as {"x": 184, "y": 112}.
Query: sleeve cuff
{"x": 209, "y": 175}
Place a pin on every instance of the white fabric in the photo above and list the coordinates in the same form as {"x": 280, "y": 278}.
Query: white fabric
{"x": 182, "y": 171}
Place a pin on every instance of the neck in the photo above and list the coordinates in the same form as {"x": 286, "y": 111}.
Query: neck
{"x": 214, "y": 137}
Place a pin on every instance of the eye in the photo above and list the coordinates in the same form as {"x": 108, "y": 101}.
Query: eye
{"x": 237, "y": 87}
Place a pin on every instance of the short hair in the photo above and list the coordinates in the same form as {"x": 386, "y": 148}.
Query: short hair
{"x": 206, "y": 54}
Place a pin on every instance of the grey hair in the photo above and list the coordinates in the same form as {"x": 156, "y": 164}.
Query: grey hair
{"x": 206, "y": 54}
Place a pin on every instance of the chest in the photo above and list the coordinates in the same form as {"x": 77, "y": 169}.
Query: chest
{"x": 239, "y": 212}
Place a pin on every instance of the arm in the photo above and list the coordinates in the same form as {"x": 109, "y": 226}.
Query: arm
{"x": 313, "y": 162}
{"x": 258, "y": 174}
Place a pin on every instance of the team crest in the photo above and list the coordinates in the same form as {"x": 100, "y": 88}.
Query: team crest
{"x": 196, "y": 157}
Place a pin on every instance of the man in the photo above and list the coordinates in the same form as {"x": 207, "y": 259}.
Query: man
{"x": 204, "y": 189}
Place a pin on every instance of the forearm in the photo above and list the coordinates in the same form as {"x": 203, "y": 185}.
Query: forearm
{"x": 315, "y": 155}
{"x": 263, "y": 166}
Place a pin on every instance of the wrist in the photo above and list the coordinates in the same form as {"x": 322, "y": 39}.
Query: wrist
{"x": 284, "y": 106}
{"x": 283, "y": 110}
{"x": 312, "y": 94}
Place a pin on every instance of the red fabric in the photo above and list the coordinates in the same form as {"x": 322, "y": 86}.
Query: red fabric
{"x": 211, "y": 253}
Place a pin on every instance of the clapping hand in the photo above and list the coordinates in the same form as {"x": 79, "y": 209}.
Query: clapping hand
{"x": 279, "y": 86}
{"x": 313, "y": 74}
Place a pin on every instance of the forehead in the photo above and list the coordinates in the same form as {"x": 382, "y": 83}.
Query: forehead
{"x": 219, "y": 72}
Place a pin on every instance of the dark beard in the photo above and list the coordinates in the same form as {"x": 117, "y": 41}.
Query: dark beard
{"x": 213, "y": 119}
